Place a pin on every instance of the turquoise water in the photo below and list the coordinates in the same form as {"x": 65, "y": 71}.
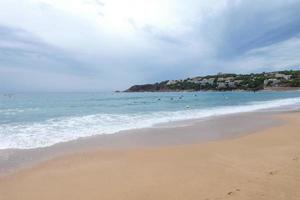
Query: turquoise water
{"x": 39, "y": 120}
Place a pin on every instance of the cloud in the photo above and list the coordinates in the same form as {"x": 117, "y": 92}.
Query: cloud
{"x": 111, "y": 44}
{"x": 248, "y": 36}
{"x": 154, "y": 33}
{"x": 29, "y": 63}
{"x": 246, "y": 25}
{"x": 21, "y": 49}
{"x": 278, "y": 56}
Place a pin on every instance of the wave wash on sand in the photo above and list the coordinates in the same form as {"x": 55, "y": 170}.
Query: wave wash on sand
{"x": 56, "y": 130}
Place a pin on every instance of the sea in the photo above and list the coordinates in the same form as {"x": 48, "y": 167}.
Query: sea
{"x": 35, "y": 120}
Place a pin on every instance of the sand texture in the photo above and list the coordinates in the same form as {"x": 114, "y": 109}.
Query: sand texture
{"x": 263, "y": 165}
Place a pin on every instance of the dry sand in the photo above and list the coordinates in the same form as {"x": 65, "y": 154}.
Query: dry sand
{"x": 264, "y": 165}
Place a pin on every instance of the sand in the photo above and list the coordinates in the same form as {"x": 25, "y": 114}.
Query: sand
{"x": 262, "y": 165}
{"x": 169, "y": 134}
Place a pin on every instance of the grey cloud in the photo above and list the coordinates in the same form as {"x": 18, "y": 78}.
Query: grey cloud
{"x": 100, "y": 3}
{"x": 19, "y": 48}
{"x": 159, "y": 35}
{"x": 154, "y": 33}
{"x": 246, "y": 25}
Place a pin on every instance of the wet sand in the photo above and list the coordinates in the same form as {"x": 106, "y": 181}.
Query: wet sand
{"x": 262, "y": 166}
{"x": 175, "y": 133}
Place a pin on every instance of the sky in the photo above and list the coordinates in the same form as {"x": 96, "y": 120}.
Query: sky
{"x": 106, "y": 45}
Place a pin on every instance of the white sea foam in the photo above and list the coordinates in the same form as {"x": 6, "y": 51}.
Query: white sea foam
{"x": 11, "y": 111}
{"x": 49, "y": 132}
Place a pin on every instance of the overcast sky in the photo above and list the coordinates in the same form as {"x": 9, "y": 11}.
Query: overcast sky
{"x": 96, "y": 45}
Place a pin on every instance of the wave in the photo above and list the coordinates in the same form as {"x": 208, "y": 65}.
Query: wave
{"x": 52, "y": 131}
{"x": 15, "y": 111}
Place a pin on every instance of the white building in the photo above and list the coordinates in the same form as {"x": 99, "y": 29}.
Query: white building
{"x": 283, "y": 76}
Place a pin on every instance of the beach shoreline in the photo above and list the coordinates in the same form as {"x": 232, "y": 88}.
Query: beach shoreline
{"x": 166, "y": 134}
{"x": 260, "y": 165}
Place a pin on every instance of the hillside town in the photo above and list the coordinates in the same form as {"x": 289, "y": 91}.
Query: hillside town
{"x": 226, "y": 82}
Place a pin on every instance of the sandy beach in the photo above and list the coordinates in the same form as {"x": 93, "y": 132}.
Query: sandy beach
{"x": 149, "y": 100}
{"x": 261, "y": 165}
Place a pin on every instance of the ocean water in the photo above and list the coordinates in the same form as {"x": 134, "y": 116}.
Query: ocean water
{"x": 40, "y": 120}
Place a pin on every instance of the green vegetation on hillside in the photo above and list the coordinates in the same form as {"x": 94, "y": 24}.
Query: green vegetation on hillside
{"x": 226, "y": 82}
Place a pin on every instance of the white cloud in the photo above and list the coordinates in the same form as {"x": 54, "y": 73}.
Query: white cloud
{"x": 144, "y": 41}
